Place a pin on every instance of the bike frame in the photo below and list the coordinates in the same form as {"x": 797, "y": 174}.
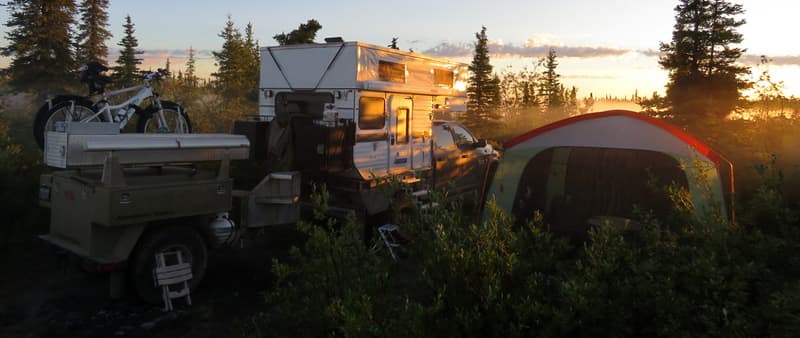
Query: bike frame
{"x": 122, "y": 112}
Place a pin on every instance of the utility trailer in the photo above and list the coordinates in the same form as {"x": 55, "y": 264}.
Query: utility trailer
{"x": 348, "y": 115}
{"x": 122, "y": 198}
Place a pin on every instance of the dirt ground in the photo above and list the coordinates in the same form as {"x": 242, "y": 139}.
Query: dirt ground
{"x": 46, "y": 294}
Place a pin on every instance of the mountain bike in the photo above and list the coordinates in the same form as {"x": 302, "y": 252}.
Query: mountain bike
{"x": 159, "y": 117}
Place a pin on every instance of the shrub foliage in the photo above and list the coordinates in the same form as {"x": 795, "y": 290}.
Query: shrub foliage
{"x": 492, "y": 279}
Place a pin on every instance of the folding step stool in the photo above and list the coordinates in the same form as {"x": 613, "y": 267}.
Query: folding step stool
{"x": 177, "y": 274}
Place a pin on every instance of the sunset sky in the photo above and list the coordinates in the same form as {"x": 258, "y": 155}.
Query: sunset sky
{"x": 605, "y": 47}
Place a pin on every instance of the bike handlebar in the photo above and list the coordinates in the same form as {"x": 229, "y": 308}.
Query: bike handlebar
{"x": 154, "y": 76}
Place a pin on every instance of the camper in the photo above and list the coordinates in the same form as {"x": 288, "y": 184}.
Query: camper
{"x": 376, "y": 103}
{"x": 592, "y": 169}
{"x": 348, "y": 115}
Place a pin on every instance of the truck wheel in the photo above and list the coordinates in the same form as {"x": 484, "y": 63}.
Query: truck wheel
{"x": 192, "y": 248}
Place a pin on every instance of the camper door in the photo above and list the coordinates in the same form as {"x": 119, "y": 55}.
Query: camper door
{"x": 400, "y": 110}
{"x": 372, "y": 143}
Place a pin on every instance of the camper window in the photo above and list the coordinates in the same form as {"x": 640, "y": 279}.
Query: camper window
{"x": 443, "y": 77}
{"x": 401, "y": 126}
{"x": 392, "y": 72}
{"x": 371, "y": 113}
{"x": 308, "y": 104}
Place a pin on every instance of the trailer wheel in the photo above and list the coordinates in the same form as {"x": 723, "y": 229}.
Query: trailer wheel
{"x": 184, "y": 239}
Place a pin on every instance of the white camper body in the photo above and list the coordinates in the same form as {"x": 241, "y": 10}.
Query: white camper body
{"x": 389, "y": 95}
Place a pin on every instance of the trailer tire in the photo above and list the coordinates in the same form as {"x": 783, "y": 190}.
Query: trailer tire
{"x": 182, "y": 238}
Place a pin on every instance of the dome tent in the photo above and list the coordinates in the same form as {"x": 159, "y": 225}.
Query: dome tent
{"x": 607, "y": 164}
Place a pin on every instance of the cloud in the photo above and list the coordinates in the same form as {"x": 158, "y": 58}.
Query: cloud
{"x": 650, "y": 52}
{"x": 589, "y": 77}
{"x": 746, "y": 59}
{"x": 779, "y": 60}
{"x": 447, "y": 49}
{"x": 175, "y": 55}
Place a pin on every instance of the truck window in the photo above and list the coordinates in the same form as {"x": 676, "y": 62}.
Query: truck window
{"x": 442, "y": 137}
{"x": 371, "y": 113}
{"x": 309, "y": 104}
{"x": 463, "y": 137}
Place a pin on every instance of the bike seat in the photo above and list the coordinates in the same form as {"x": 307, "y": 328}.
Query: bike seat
{"x": 90, "y": 74}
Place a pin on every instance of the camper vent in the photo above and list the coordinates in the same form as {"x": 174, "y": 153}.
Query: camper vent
{"x": 334, "y": 39}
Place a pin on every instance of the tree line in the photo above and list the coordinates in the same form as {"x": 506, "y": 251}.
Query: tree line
{"x": 50, "y": 39}
{"x": 514, "y": 101}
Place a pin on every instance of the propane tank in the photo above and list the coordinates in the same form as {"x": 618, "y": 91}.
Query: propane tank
{"x": 223, "y": 228}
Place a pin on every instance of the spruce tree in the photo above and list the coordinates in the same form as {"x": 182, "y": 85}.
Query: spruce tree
{"x": 704, "y": 79}
{"x": 482, "y": 90}
{"x": 550, "y": 88}
{"x": 93, "y": 32}
{"x": 190, "y": 76}
{"x": 126, "y": 73}
{"x": 305, "y": 33}
{"x": 250, "y": 63}
{"x": 39, "y": 45}
{"x": 229, "y": 60}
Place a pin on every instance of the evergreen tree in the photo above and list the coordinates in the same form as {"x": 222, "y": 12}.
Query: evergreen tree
{"x": 250, "y": 63}
{"x": 305, "y": 33}
{"x": 126, "y": 73}
{"x": 93, "y": 32}
{"x": 393, "y": 44}
{"x": 482, "y": 91}
{"x": 571, "y": 101}
{"x": 237, "y": 73}
{"x": 191, "y": 77}
{"x": 550, "y": 88}
{"x": 39, "y": 45}
{"x": 704, "y": 79}
{"x": 229, "y": 60}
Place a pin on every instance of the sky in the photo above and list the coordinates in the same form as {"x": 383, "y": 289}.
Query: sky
{"x": 604, "y": 47}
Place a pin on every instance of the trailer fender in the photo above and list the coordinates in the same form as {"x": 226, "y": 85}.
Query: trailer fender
{"x": 115, "y": 244}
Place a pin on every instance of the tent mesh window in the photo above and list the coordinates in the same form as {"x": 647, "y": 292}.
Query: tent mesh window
{"x": 569, "y": 185}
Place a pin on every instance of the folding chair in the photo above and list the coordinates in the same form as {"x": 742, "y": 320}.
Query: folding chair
{"x": 174, "y": 275}
{"x": 389, "y": 233}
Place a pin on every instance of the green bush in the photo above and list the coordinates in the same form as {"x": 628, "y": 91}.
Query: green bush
{"x": 492, "y": 279}
{"x": 20, "y": 166}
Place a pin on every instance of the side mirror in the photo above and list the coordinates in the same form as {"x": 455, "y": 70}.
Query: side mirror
{"x": 480, "y": 144}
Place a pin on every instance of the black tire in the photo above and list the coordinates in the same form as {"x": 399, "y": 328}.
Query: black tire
{"x": 63, "y": 111}
{"x": 177, "y": 119}
{"x": 185, "y": 239}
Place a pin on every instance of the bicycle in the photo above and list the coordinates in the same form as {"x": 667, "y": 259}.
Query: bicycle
{"x": 169, "y": 117}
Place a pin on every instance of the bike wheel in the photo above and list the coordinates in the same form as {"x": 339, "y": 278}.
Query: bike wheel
{"x": 175, "y": 117}
{"x": 68, "y": 111}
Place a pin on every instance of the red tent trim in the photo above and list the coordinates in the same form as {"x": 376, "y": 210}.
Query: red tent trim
{"x": 701, "y": 147}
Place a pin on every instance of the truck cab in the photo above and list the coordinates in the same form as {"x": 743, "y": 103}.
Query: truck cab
{"x": 463, "y": 162}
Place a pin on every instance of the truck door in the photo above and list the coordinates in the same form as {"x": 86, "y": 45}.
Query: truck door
{"x": 400, "y": 133}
